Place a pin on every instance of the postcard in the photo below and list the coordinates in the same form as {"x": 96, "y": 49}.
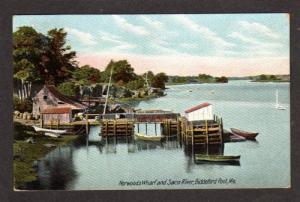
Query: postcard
{"x": 151, "y": 102}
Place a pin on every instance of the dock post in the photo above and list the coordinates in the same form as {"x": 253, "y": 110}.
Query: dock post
{"x": 87, "y": 125}
{"x": 42, "y": 121}
{"x": 206, "y": 131}
{"x": 155, "y": 128}
{"x": 192, "y": 131}
{"x": 178, "y": 131}
{"x": 146, "y": 128}
{"x": 106, "y": 128}
{"x": 169, "y": 127}
{"x": 114, "y": 127}
{"x": 221, "y": 128}
{"x": 138, "y": 125}
{"x": 126, "y": 130}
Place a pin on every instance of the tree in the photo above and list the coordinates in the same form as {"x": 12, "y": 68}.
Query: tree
{"x": 136, "y": 84}
{"x": 273, "y": 77}
{"x": 263, "y": 77}
{"x": 122, "y": 70}
{"x": 61, "y": 59}
{"x": 87, "y": 75}
{"x": 148, "y": 77}
{"x": 222, "y": 79}
{"x": 43, "y": 58}
{"x": 68, "y": 88}
{"x": 159, "y": 80}
{"x": 29, "y": 47}
{"x": 205, "y": 78}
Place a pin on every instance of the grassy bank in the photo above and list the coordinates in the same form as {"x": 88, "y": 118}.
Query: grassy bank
{"x": 25, "y": 154}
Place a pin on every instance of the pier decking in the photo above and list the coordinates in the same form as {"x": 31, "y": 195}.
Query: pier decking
{"x": 204, "y": 132}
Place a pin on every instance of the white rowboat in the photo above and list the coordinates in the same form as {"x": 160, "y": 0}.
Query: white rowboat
{"x": 57, "y": 132}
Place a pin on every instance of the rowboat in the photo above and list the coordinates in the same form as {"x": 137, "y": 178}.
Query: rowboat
{"x": 52, "y": 135}
{"x": 217, "y": 158}
{"x": 57, "y": 132}
{"x": 140, "y": 136}
{"x": 236, "y": 138}
{"x": 245, "y": 134}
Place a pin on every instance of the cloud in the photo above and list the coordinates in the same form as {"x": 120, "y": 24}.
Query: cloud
{"x": 254, "y": 46}
{"x": 152, "y": 23}
{"x": 189, "y": 45}
{"x": 105, "y": 36}
{"x": 204, "y": 31}
{"x": 84, "y": 37}
{"x": 255, "y": 27}
{"x": 118, "y": 43}
{"x": 123, "y": 23}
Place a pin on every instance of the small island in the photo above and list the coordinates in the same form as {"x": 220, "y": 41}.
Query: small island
{"x": 201, "y": 78}
{"x": 270, "y": 78}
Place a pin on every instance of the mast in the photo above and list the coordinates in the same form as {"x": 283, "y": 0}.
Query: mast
{"x": 107, "y": 93}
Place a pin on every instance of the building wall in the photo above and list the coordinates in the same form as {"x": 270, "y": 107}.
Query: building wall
{"x": 40, "y": 103}
{"x": 63, "y": 118}
{"x": 201, "y": 114}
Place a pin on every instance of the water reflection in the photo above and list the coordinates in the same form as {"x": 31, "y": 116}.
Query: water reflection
{"x": 56, "y": 170}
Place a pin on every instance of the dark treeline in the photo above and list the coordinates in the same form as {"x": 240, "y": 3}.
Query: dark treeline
{"x": 47, "y": 59}
{"x": 201, "y": 78}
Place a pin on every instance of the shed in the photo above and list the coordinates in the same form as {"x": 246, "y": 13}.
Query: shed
{"x": 49, "y": 97}
{"x": 57, "y": 115}
{"x": 200, "y": 112}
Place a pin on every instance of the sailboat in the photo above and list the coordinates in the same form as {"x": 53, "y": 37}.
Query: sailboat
{"x": 278, "y": 105}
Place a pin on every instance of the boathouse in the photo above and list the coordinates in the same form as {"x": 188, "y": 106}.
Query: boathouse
{"x": 200, "y": 112}
{"x": 56, "y": 116}
{"x": 49, "y": 98}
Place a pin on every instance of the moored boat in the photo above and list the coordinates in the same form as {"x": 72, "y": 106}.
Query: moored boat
{"x": 39, "y": 129}
{"x": 236, "y": 138}
{"x": 245, "y": 134}
{"x": 141, "y": 136}
{"x": 217, "y": 158}
{"x": 52, "y": 135}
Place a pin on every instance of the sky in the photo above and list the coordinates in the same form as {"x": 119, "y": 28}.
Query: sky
{"x": 216, "y": 44}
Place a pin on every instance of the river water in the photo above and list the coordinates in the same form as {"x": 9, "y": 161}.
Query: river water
{"x": 89, "y": 164}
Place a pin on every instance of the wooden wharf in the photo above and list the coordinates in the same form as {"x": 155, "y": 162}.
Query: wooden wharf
{"x": 204, "y": 132}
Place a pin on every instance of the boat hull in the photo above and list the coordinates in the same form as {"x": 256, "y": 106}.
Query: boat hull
{"x": 143, "y": 137}
{"x": 38, "y": 129}
{"x": 245, "y": 134}
{"x": 217, "y": 158}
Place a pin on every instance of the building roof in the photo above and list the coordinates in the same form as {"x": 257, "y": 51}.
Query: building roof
{"x": 64, "y": 98}
{"x": 56, "y": 110}
{"x": 200, "y": 106}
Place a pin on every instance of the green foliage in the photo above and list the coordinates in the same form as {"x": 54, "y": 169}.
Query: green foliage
{"x": 87, "y": 75}
{"x": 61, "y": 59}
{"x": 68, "y": 88}
{"x": 262, "y": 77}
{"x": 38, "y": 57}
{"x": 22, "y": 105}
{"x": 136, "y": 84}
{"x": 25, "y": 154}
{"x": 122, "y": 71}
{"x": 273, "y": 77}
{"x": 159, "y": 80}
{"x": 205, "y": 78}
{"x": 222, "y": 79}
{"x": 21, "y": 132}
{"x": 28, "y": 50}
